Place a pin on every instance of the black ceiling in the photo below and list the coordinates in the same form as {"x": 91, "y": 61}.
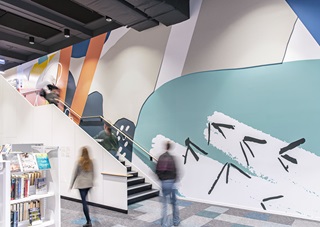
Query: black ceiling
{"x": 45, "y": 20}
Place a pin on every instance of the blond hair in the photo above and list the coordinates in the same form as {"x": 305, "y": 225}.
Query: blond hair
{"x": 84, "y": 160}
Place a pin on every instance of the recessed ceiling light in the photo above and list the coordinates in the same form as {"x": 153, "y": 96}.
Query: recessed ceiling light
{"x": 108, "y": 19}
{"x": 31, "y": 40}
{"x": 66, "y": 33}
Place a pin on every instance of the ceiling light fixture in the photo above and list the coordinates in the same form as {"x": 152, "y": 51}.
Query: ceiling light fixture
{"x": 2, "y": 61}
{"x": 108, "y": 19}
{"x": 66, "y": 33}
{"x": 31, "y": 40}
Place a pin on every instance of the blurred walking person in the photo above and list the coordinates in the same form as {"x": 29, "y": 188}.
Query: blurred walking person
{"x": 83, "y": 180}
{"x": 167, "y": 173}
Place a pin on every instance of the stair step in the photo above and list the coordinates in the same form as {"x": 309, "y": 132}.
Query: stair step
{"x": 142, "y": 196}
{"x": 128, "y": 167}
{"x": 139, "y": 188}
{"x": 133, "y": 173}
{"x": 94, "y": 121}
{"x": 135, "y": 180}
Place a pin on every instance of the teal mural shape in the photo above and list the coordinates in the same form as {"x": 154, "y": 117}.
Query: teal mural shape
{"x": 281, "y": 100}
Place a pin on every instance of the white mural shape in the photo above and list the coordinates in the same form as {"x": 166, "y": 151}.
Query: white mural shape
{"x": 287, "y": 170}
{"x": 275, "y": 176}
{"x": 50, "y": 75}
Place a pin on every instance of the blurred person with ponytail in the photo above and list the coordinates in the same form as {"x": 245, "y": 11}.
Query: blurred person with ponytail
{"x": 83, "y": 180}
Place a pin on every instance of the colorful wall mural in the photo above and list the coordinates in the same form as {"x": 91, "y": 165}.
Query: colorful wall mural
{"x": 242, "y": 136}
{"x": 235, "y": 88}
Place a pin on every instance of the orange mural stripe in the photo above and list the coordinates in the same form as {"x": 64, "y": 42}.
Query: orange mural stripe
{"x": 86, "y": 76}
{"x": 65, "y": 58}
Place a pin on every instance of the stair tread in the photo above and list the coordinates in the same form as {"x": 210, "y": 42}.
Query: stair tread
{"x": 139, "y": 194}
{"x": 138, "y": 186}
{"x": 132, "y": 172}
{"x": 134, "y": 178}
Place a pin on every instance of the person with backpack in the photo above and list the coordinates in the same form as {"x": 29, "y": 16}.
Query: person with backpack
{"x": 167, "y": 173}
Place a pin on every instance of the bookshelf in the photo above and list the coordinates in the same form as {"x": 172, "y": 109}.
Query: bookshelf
{"x": 4, "y": 194}
{"x": 23, "y": 192}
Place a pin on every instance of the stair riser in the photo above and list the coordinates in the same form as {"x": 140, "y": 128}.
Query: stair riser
{"x": 138, "y": 181}
{"x": 130, "y": 201}
{"x": 140, "y": 189}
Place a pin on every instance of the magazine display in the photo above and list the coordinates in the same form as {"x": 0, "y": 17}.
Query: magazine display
{"x": 43, "y": 161}
{"x": 28, "y": 162}
{"x": 15, "y": 165}
{"x": 5, "y": 149}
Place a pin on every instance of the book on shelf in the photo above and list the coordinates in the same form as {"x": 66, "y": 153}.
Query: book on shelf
{"x": 32, "y": 177}
{"x": 21, "y": 210}
{"x": 14, "y": 218}
{"x": 42, "y": 161}
{"x": 13, "y": 187}
{"x": 17, "y": 188}
{"x": 28, "y": 162}
{"x": 41, "y": 185}
{"x": 23, "y": 185}
{"x": 15, "y": 165}
{"x": 34, "y": 216}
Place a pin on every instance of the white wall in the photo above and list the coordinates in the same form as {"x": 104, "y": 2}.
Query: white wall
{"x": 20, "y": 122}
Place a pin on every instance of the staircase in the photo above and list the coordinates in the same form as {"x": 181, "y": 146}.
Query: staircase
{"x": 138, "y": 189}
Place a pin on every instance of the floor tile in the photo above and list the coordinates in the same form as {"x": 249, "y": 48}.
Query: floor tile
{"x": 248, "y": 221}
{"x": 305, "y": 223}
{"x": 208, "y": 214}
{"x": 192, "y": 214}
{"x": 258, "y": 216}
{"x": 194, "y": 221}
{"x": 217, "y": 209}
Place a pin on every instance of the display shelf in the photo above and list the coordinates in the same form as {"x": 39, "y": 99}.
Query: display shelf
{"x": 4, "y": 194}
{"x": 49, "y": 201}
{"x": 32, "y": 197}
{"x": 42, "y": 224}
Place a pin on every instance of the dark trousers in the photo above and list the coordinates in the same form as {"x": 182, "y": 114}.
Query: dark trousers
{"x": 83, "y": 194}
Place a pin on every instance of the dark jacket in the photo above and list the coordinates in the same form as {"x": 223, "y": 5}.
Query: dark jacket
{"x": 166, "y": 167}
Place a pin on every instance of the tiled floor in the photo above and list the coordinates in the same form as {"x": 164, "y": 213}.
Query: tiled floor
{"x": 192, "y": 214}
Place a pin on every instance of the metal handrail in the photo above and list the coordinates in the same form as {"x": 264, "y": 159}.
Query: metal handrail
{"x": 69, "y": 108}
{"x": 79, "y": 117}
{"x": 113, "y": 126}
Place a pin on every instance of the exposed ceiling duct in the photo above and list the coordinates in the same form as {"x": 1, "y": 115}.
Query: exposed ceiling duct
{"x": 46, "y": 21}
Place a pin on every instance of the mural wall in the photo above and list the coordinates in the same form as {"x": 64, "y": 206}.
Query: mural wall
{"x": 235, "y": 88}
{"x": 246, "y": 137}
